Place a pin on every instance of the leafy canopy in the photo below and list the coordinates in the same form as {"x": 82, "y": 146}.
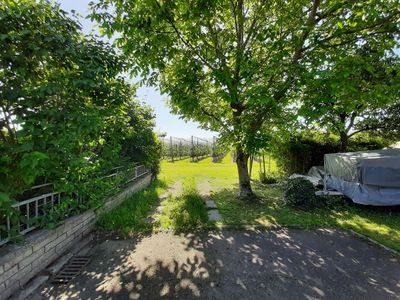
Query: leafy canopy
{"x": 346, "y": 94}
{"x": 66, "y": 113}
{"x": 231, "y": 65}
{"x": 235, "y": 66}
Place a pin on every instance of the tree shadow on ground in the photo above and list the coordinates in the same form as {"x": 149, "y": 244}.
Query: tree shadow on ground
{"x": 382, "y": 224}
{"x": 287, "y": 263}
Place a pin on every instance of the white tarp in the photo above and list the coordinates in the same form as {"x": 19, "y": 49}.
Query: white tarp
{"x": 368, "y": 177}
{"x": 380, "y": 167}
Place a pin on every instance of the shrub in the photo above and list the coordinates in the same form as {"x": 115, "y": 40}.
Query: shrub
{"x": 269, "y": 178}
{"x": 302, "y": 151}
{"x": 300, "y": 193}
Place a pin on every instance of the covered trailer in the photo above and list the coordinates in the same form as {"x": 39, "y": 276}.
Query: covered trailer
{"x": 367, "y": 177}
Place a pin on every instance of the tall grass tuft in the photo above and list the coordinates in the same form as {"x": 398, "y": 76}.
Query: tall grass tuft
{"x": 130, "y": 216}
{"x": 186, "y": 211}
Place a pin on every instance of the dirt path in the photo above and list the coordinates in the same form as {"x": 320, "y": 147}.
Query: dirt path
{"x": 284, "y": 264}
{"x": 205, "y": 188}
{"x": 173, "y": 190}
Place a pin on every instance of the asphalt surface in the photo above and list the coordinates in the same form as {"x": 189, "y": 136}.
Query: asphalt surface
{"x": 281, "y": 264}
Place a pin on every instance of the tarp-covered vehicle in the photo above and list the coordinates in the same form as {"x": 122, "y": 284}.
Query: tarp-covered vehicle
{"x": 366, "y": 177}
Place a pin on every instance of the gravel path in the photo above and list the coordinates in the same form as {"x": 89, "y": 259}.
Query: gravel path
{"x": 281, "y": 264}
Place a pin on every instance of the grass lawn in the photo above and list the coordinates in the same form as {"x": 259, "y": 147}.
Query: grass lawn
{"x": 185, "y": 211}
{"x": 222, "y": 174}
{"x": 130, "y": 216}
{"x": 380, "y": 224}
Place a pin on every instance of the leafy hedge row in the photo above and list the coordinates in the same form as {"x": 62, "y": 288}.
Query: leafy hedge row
{"x": 302, "y": 151}
{"x": 67, "y": 115}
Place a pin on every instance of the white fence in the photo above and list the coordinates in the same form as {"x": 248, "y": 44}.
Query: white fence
{"x": 29, "y": 211}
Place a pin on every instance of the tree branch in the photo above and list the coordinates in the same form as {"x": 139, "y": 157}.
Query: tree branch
{"x": 214, "y": 117}
{"x": 184, "y": 40}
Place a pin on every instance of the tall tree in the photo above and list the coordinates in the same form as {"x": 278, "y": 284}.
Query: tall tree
{"x": 66, "y": 112}
{"x": 352, "y": 94}
{"x": 231, "y": 65}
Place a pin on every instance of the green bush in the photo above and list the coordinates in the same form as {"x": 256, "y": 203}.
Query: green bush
{"x": 67, "y": 115}
{"x": 300, "y": 193}
{"x": 269, "y": 178}
{"x": 302, "y": 151}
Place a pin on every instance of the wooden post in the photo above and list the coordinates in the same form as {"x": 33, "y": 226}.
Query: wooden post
{"x": 263, "y": 159}
{"x": 251, "y": 165}
{"x": 269, "y": 164}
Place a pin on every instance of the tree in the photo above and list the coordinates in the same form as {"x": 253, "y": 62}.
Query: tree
{"x": 352, "y": 94}
{"x": 66, "y": 112}
{"x": 231, "y": 65}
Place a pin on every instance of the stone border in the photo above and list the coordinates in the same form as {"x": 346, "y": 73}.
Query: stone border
{"x": 20, "y": 263}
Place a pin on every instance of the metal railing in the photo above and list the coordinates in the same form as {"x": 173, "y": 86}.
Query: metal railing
{"x": 29, "y": 211}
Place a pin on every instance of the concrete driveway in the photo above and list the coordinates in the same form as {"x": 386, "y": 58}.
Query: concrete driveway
{"x": 281, "y": 264}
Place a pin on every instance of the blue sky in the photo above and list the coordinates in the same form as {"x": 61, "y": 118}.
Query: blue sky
{"x": 166, "y": 122}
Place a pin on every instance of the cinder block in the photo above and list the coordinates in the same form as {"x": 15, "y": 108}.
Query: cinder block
{"x": 45, "y": 260}
{"x": 28, "y": 260}
{"x": 65, "y": 244}
{"x": 28, "y": 276}
{"x": 9, "y": 273}
{"x": 42, "y": 238}
{"x": 77, "y": 226}
{"x": 44, "y": 246}
{"x": 55, "y": 242}
{"x": 13, "y": 254}
{"x": 2, "y": 288}
{"x": 22, "y": 274}
{"x": 10, "y": 290}
{"x": 79, "y": 232}
{"x": 87, "y": 231}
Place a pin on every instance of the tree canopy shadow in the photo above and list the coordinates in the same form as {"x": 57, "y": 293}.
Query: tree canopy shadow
{"x": 286, "y": 263}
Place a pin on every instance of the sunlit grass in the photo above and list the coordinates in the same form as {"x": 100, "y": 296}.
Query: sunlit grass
{"x": 222, "y": 174}
{"x": 130, "y": 216}
{"x": 186, "y": 211}
{"x": 382, "y": 225}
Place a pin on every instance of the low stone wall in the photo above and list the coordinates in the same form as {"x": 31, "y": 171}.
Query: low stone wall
{"x": 20, "y": 263}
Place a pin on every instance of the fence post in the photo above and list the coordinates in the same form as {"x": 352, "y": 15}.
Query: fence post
{"x": 197, "y": 150}
{"x": 171, "y": 148}
{"x": 192, "y": 149}
{"x": 213, "y": 147}
{"x": 180, "y": 150}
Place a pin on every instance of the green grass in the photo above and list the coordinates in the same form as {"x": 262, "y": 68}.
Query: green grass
{"x": 130, "y": 216}
{"x": 222, "y": 174}
{"x": 187, "y": 211}
{"x": 380, "y": 224}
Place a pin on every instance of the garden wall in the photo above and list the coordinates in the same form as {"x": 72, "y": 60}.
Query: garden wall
{"x": 20, "y": 263}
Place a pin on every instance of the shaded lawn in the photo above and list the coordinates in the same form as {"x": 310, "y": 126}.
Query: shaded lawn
{"x": 185, "y": 211}
{"x": 381, "y": 224}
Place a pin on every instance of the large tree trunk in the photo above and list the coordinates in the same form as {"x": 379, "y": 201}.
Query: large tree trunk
{"x": 344, "y": 140}
{"x": 245, "y": 191}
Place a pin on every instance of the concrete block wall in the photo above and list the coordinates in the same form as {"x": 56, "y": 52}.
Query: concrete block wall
{"x": 20, "y": 263}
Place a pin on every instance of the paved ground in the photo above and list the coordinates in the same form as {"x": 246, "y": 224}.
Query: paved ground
{"x": 282, "y": 264}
